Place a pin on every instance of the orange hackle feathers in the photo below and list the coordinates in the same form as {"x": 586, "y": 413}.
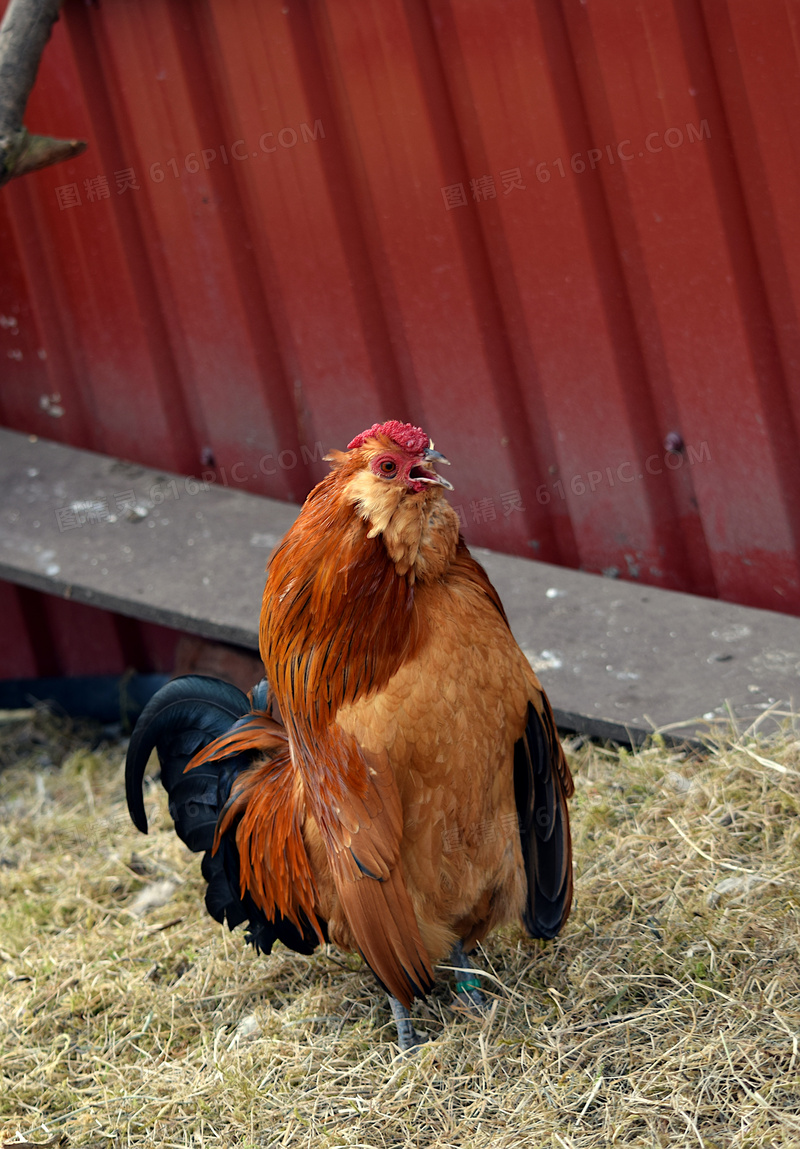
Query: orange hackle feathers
{"x": 336, "y": 619}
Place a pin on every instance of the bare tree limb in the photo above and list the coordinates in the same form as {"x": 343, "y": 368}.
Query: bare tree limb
{"x": 23, "y": 34}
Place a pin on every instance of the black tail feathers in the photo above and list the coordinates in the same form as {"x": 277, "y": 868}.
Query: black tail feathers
{"x": 544, "y": 825}
{"x": 183, "y": 718}
{"x": 178, "y": 721}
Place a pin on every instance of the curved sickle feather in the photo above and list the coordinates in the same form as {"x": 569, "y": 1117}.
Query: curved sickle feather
{"x": 180, "y": 719}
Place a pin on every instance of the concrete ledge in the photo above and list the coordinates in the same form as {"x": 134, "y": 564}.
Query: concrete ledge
{"x": 618, "y": 660}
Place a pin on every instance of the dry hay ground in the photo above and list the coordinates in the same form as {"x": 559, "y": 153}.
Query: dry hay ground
{"x": 667, "y": 1013}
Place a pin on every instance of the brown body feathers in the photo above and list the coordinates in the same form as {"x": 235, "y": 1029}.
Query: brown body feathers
{"x": 414, "y": 791}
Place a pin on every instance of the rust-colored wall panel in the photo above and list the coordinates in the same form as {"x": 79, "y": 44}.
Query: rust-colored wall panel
{"x": 17, "y": 650}
{"x": 562, "y": 236}
{"x": 559, "y": 283}
{"x": 694, "y": 280}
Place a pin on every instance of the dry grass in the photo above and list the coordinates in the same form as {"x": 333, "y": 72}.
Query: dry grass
{"x": 667, "y": 1013}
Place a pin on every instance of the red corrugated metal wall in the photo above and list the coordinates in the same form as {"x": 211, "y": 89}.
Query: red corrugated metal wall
{"x": 560, "y": 235}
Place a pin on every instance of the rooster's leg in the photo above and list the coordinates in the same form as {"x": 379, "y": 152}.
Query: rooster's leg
{"x": 468, "y": 986}
{"x": 407, "y": 1036}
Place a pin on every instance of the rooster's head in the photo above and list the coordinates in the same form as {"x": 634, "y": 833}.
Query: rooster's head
{"x": 388, "y": 469}
{"x": 401, "y": 455}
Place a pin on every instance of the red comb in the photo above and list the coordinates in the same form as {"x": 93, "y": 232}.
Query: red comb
{"x": 403, "y": 434}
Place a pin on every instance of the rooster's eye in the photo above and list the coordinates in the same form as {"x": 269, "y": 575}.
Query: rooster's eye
{"x": 387, "y": 467}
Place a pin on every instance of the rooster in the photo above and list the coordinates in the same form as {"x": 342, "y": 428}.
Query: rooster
{"x": 395, "y": 785}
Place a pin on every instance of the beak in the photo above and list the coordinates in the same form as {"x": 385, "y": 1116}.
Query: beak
{"x": 430, "y": 457}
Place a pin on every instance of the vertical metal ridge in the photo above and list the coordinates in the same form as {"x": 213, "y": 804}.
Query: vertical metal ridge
{"x": 101, "y": 82}
{"x": 19, "y": 652}
{"x": 248, "y": 240}
{"x": 767, "y": 255}
{"x": 483, "y": 247}
{"x": 362, "y": 204}
{"x": 351, "y": 204}
{"x": 48, "y": 359}
{"x": 32, "y": 608}
{"x": 259, "y": 303}
{"x": 690, "y": 565}
{"x": 736, "y": 215}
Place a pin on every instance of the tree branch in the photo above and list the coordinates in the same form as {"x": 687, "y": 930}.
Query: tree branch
{"x": 23, "y": 34}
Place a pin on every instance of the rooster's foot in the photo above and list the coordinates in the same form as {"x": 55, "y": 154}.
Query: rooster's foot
{"x": 407, "y": 1036}
{"x": 468, "y": 986}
